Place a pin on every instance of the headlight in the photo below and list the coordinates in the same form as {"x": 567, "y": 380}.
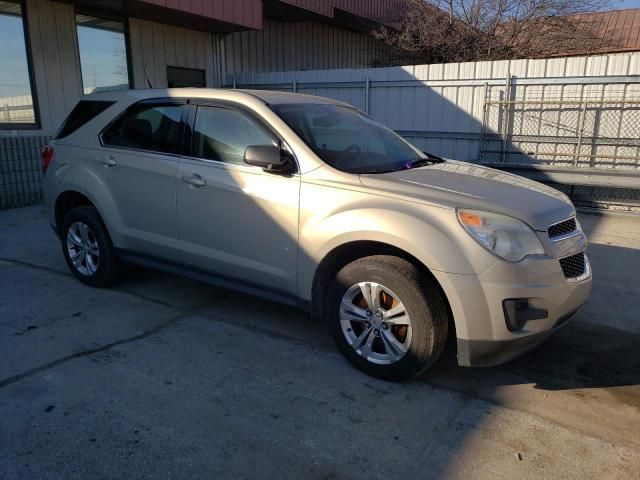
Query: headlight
{"x": 504, "y": 236}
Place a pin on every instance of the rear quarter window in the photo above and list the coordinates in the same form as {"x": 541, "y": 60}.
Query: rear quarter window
{"x": 83, "y": 112}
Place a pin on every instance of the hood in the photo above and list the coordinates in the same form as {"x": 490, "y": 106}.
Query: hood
{"x": 465, "y": 185}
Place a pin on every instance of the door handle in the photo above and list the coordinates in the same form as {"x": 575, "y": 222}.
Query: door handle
{"x": 108, "y": 161}
{"x": 195, "y": 180}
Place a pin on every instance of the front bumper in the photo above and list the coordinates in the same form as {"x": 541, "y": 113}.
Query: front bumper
{"x": 483, "y": 337}
{"x": 488, "y": 353}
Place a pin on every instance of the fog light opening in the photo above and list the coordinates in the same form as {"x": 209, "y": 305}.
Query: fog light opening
{"x": 518, "y": 311}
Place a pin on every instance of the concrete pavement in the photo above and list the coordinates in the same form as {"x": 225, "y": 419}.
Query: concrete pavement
{"x": 162, "y": 377}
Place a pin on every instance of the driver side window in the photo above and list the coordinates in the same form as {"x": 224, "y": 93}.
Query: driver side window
{"x": 223, "y": 135}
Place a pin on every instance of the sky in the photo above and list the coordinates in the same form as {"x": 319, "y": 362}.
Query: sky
{"x": 626, "y": 4}
{"x": 14, "y": 78}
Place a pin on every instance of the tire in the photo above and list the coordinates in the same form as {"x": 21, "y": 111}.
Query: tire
{"x": 99, "y": 266}
{"x": 399, "y": 286}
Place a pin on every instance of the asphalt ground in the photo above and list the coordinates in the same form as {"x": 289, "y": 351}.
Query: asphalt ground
{"x": 161, "y": 377}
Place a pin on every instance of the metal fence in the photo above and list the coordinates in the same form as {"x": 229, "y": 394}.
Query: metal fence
{"x": 16, "y": 114}
{"x": 573, "y": 122}
{"x": 566, "y": 132}
{"x": 17, "y": 109}
{"x": 20, "y": 170}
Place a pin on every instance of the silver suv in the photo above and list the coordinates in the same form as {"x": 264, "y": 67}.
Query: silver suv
{"x": 310, "y": 202}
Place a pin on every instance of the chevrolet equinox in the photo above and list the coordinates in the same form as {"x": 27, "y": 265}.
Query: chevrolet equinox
{"x": 308, "y": 201}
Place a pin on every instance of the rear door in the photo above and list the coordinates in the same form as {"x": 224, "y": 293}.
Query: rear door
{"x": 236, "y": 220}
{"x": 138, "y": 165}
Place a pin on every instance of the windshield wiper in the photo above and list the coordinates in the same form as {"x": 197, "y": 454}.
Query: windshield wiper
{"x": 421, "y": 162}
{"x": 386, "y": 170}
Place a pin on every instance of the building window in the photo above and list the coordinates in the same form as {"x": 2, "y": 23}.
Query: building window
{"x": 178, "y": 77}
{"x": 103, "y": 54}
{"x": 17, "y": 105}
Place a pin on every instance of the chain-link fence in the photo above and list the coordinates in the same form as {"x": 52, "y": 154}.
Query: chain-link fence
{"x": 587, "y": 129}
{"x": 563, "y": 132}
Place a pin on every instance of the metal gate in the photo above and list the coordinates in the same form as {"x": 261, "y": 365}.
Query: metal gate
{"x": 585, "y": 139}
{"x": 562, "y": 132}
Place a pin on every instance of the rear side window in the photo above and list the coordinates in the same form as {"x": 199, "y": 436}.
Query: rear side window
{"x": 155, "y": 127}
{"x": 82, "y": 113}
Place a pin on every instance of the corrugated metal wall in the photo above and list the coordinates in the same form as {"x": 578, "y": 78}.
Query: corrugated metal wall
{"x": 283, "y": 46}
{"x": 440, "y": 108}
{"x": 155, "y": 46}
{"x": 20, "y": 171}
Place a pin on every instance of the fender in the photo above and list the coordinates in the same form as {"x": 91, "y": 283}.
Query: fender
{"x": 405, "y": 230}
{"x": 446, "y": 254}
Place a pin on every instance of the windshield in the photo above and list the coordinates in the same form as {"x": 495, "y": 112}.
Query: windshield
{"x": 349, "y": 140}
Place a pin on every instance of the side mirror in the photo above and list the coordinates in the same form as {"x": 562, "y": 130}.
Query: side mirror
{"x": 268, "y": 157}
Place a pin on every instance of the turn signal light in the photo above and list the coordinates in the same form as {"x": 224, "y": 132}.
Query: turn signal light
{"x": 469, "y": 219}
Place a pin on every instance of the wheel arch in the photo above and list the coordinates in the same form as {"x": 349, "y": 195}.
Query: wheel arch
{"x": 70, "y": 199}
{"x": 67, "y": 201}
{"x": 346, "y": 253}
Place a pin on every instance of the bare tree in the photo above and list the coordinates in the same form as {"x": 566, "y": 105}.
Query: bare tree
{"x": 471, "y": 30}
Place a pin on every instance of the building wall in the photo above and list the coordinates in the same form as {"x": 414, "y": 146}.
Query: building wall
{"x": 285, "y": 46}
{"x": 279, "y": 46}
{"x": 155, "y": 46}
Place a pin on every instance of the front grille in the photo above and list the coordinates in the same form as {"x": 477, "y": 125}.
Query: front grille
{"x": 573, "y": 266}
{"x": 562, "y": 228}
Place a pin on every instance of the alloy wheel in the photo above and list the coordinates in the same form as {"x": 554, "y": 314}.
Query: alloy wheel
{"x": 82, "y": 247}
{"x": 375, "y": 323}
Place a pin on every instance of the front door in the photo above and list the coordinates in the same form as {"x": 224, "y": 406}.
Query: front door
{"x": 236, "y": 220}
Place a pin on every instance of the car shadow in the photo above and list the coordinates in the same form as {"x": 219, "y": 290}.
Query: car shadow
{"x": 586, "y": 353}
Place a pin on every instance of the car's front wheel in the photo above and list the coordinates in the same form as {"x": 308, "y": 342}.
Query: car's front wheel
{"x": 388, "y": 318}
{"x": 87, "y": 247}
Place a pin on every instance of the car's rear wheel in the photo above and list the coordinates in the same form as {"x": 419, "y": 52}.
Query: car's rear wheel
{"x": 387, "y": 317}
{"x": 87, "y": 247}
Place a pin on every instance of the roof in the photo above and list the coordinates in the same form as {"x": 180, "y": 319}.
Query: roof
{"x": 381, "y": 11}
{"x": 618, "y": 30}
{"x": 275, "y": 98}
{"x": 236, "y": 15}
{"x": 614, "y": 31}
{"x": 266, "y": 96}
